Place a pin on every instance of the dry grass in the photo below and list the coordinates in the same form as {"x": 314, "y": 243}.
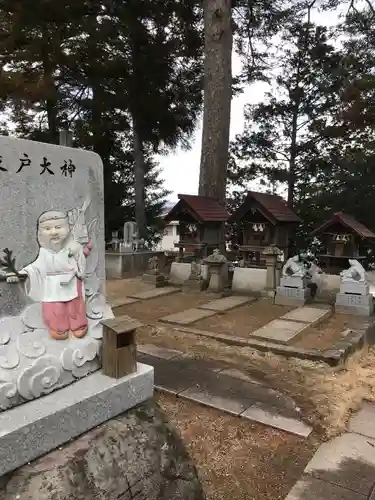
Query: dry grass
{"x": 237, "y": 459}
{"x": 324, "y": 335}
{"x": 327, "y": 396}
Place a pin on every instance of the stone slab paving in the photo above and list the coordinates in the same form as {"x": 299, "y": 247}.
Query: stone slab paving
{"x": 228, "y": 403}
{"x": 364, "y": 421}
{"x": 122, "y": 301}
{"x": 158, "y": 352}
{"x": 344, "y": 468}
{"x": 344, "y": 460}
{"x": 280, "y": 331}
{"x": 227, "y": 303}
{"x": 188, "y": 316}
{"x": 204, "y": 382}
{"x": 274, "y": 419}
{"x": 156, "y": 292}
{"x": 234, "y": 372}
{"x": 305, "y": 314}
{"x": 309, "y": 488}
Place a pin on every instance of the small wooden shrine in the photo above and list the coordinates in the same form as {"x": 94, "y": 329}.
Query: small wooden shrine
{"x": 263, "y": 219}
{"x": 201, "y": 221}
{"x": 343, "y": 238}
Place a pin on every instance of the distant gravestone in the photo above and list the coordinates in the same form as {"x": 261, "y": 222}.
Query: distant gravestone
{"x": 52, "y": 288}
{"x": 130, "y": 235}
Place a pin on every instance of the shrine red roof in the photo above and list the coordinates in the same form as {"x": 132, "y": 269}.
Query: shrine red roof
{"x": 347, "y": 221}
{"x": 272, "y": 206}
{"x": 202, "y": 208}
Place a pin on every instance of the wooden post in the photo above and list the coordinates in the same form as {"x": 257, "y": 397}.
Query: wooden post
{"x": 119, "y": 346}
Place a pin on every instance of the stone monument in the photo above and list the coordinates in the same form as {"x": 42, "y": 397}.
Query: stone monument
{"x": 293, "y": 289}
{"x": 130, "y": 236}
{"x": 354, "y": 296}
{"x": 195, "y": 281}
{"x": 153, "y": 274}
{"x": 271, "y": 255}
{"x": 52, "y": 302}
{"x": 217, "y": 263}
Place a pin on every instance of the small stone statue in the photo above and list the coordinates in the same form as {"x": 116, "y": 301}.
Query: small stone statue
{"x": 241, "y": 263}
{"x": 195, "y": 271}
{"x": 153, "y": 265}
{"x": 294, "y": 267}
{"x": 356, "y": 272}
{"x": 216, "y": 256}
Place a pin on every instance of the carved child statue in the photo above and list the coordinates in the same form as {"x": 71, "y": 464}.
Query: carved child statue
{"x": 55, "y": 278}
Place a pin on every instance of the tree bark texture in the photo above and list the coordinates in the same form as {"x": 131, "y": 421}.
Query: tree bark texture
{"x": 217, "y": 98}
{"x": 50, "y": 89}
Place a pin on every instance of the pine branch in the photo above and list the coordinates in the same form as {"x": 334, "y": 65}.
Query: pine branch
{"x": 9, "y": 263}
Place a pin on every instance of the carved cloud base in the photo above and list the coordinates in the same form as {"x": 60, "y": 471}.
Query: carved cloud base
{"x": 33, "y": 364}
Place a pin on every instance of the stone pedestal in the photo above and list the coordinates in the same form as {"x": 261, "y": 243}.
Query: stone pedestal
{"x": 217, "y": 282}
{"x": 217, "y": 271}
{"x": 193, "y": 285}
{"x": 292, "y": 291}
{"x": 271, "y": 255}
{"x": 155, "y": 279}
{"x": 354, "y": 298}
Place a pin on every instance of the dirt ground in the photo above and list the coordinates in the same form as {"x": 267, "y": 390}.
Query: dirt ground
{"x": 327, "y": 396}
{"x": 150, "y": 311}
{"x": 121, "y": 288}
{"x": 325, "y": 334}
{"x": 237, "y": 459}
{"x": 243, "y": 320}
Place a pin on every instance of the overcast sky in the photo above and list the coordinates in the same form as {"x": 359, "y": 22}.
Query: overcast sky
{"x": 181, "y": 169}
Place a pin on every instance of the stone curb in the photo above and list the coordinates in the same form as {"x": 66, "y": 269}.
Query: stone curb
{"x": 333, "y": 356}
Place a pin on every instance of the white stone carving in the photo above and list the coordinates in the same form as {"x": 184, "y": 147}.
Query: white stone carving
{"x": 9, "y": 357}
{"x": 356, "y": 272}
{"x": 32, "y": 363}
{"x": 294, "y": 267}
{"x": 8, "y": 390}
{"x": 77, "y": 359}
{"x": 10, "y": 328}
{"x": 32, "y": 345}
{"x": 40, "y": 378}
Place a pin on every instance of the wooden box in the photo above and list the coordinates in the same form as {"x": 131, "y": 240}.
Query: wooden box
{"x": 119, "y": 346}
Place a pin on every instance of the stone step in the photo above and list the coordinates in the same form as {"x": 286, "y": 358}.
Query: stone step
{"x": 306, "y": 314}
{"x": 280, "y": 331}
{"x": 216, "y": 384}
{"x": 156, "y": 292}
{"x": 122, "y": 301}
{"x": 188, "y": 316}
{"x": 227, "y": 303}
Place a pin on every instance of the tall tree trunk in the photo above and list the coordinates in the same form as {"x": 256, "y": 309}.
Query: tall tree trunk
{"x": 140, "y": 172}
{"x": 292, "y": 157}
{"x": 50, "y": 87}
{"x": 217, "y": 98}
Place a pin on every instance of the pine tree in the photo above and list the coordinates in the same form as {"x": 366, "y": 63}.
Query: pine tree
{"x": 112, "y": 65}
{"x": 284, "y": 132}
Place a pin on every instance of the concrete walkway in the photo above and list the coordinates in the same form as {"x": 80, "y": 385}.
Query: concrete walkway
{"x": 344, "y": 468}
{"x": 217, "y": 384}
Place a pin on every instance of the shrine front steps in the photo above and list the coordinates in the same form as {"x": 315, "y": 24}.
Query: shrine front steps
{"x": 219, "y": 385}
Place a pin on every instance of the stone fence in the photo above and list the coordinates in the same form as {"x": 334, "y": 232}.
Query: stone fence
{"x": 130, "y": 264}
